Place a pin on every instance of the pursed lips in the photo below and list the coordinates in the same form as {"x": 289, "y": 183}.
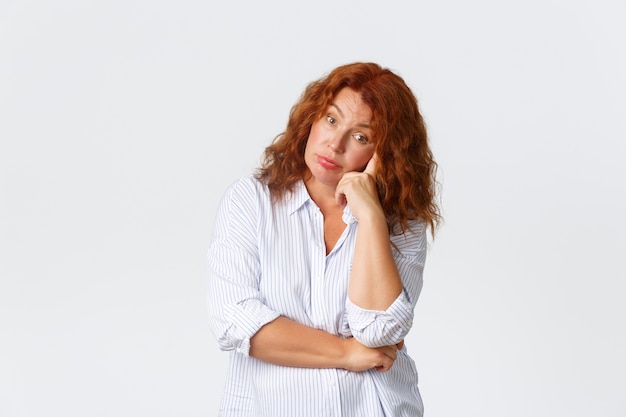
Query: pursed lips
{"x": 327, "y": 162}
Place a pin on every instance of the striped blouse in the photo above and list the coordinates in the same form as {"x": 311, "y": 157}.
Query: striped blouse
{"x": 268, "y": 260}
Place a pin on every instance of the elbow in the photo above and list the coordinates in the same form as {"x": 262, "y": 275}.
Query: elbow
{"x": 235, "y": 324}
{"x": 380, "y": 328}
{"x": 382, "y": 334}
{"x": 227, "y": 341}
{"x": 225, "y": 345}
{"x": 221, "y": 336}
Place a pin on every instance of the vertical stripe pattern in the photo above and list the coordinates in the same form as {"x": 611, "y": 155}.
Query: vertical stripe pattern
{"x": 269, "y": 259}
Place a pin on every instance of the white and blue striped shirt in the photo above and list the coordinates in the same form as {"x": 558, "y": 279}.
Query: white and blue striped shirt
{"x": 268, "y": 260}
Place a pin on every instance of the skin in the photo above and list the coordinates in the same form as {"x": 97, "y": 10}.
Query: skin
{"x": 340, "y": 158}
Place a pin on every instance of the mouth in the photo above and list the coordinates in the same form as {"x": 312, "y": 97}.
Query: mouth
{"x": 327, "y": 163}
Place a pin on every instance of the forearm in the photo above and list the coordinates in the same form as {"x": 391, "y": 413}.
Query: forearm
{"x": 287, "y": 343}
{"x": 375, "y": 282}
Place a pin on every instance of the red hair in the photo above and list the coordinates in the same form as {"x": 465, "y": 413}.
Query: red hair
{"x": 405, "y": 172}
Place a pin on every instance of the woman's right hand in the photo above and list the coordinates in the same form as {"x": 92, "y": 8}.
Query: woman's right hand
{"x": 359, "y": 357}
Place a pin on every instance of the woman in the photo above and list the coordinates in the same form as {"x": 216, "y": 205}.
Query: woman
{"x": 316, "y": 262}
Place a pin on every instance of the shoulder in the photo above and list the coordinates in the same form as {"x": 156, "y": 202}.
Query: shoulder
{"x": 242, "y": 203}
{"x": 247, "y": 188}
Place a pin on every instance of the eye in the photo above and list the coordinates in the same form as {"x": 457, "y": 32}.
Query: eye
{"x": 330, "y": 119}
{"x": 360, "y": 138}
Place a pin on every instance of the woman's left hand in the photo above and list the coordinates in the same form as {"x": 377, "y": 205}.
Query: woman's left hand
{"x": 358, "y": 189}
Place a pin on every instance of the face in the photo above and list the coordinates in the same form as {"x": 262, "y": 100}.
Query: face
{"x": 340, "y": 141}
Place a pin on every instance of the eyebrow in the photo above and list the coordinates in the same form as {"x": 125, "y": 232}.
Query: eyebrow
{"x": 363, "y": 125}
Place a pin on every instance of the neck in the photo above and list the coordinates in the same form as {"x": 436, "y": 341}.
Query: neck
{"x": 323, "y": 195}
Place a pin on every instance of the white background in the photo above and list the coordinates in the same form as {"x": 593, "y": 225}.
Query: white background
{"x": 122, "y": 123}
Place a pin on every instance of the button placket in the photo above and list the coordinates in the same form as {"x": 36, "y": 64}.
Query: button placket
{"x": 318, "y": 266}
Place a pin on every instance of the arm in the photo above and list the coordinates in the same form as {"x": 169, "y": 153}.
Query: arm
{"x": 391, "y": 325}
{"x": 237, "y": 309}
{"x": 384, "y": 283}
{"x": 287, "y": 343}
{"x": 374, "y": 281}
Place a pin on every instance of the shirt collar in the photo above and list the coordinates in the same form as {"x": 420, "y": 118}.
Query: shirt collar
{"x": 298, "y": 198}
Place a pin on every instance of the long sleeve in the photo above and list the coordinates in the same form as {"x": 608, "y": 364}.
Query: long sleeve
{"x": 379, "y": 328}
{"x": 236, "y": 306}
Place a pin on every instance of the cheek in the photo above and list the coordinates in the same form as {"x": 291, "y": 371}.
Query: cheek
{"x": 312, "y": 138}
{"x": 311, "y": 141}
{"x": 362, "y": 157}
{"x": 315, "y": 131}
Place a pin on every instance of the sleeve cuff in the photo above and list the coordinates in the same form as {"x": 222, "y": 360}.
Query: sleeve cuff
{"x": 379, "y": 328}
{"x": 247, "y": 318}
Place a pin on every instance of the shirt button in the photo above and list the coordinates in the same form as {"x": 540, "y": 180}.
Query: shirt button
{"x": 331, "y": 382}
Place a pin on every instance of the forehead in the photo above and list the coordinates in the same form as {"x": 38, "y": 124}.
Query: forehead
{"x": 349, "y": 104}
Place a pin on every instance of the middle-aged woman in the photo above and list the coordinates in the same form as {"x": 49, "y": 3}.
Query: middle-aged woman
{"x": 316, "y": 261}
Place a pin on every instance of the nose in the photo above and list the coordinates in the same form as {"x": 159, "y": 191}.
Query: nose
{"x": 337, "y": 143}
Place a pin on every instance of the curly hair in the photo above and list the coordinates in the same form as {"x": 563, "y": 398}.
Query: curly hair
{"x": 406, "y": 170}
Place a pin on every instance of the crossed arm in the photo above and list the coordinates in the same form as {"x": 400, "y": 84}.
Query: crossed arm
{"x": 288, "y": 343}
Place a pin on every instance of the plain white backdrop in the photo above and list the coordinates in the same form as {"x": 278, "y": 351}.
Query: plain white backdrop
{"x": 122, "y": 123}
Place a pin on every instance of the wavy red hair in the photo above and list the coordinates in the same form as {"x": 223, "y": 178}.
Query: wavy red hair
{"x": 406, "y": 171}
